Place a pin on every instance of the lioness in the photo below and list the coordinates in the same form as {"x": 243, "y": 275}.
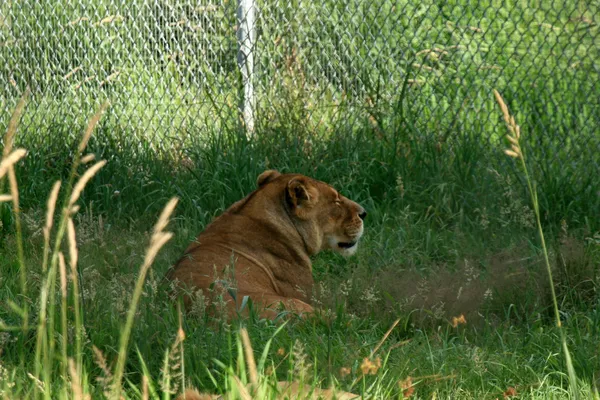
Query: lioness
{"x": 269, "y": 237}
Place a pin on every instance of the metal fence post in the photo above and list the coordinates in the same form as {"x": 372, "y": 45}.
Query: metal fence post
{"x": 246, "y": 36}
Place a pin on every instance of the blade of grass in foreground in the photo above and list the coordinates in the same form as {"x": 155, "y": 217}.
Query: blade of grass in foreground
{"x": 14, "y": 192}
{"x": 158, "y": 240}
{"x": 516, "y": 151}
{"x": 45, "y": 343}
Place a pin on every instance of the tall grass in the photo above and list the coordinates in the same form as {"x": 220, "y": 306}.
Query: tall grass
{"x": 516, "y": 151}
{"x": 10, "y": 158}
{"x": 59, "y": 359}
{"x": 408, "y": 135}
{"x": 159, "y": 238}
{"x": 46, "y": 343}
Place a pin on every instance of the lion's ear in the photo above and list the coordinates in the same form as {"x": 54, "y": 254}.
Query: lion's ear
{"x": 298, "y": 193}
{"x": 267, "y": 177}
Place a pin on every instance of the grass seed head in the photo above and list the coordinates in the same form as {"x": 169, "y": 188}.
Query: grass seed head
{"x": 10, "y": 160}
{"x": 514, "y": 129}
{"x": 83, "y": 181}
{"x": 73, "y": 254}
{"x": 88, "y": 158}
{"x": 163, "y": 220}
{"x": 78, "y": 393}
{"x": 13, "y": 124}
{"x": 50, "y": 207}
{"x": 106, "y": 378}
{"x": 63, "y": 274}
{"x": 90, "y": 127}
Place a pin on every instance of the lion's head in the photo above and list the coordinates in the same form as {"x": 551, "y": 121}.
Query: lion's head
{"x": 323, "y": 217}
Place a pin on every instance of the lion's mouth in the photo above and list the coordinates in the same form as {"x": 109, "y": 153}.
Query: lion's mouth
{"x": 346, "y": 245}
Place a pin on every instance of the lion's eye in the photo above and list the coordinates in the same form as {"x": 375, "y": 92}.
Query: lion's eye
{"x": 338, "y": 203}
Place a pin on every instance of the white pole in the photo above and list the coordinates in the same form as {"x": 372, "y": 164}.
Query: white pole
{"x": 246, "y": 36}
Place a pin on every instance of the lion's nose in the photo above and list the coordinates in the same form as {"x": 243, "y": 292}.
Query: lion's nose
{"x": 362, "y": 215}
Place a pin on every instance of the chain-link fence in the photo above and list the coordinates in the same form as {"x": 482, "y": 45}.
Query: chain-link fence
{"x": 327, "y": 65}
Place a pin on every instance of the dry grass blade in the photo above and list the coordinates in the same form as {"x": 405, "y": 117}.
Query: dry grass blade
{"x": 14, "y": 189}
{"x": 5, "y": 197}
{"x": 106, "y": 377}
{"x": 63, "y": 274}
{"x": 163, "y": 220}
{"x": 92, "y": 123}
{"x": 10, "y": 160}
{"x": 145, "y": 393}
{"x": 516, "y": 152}
{"x": 244, "y": 394}
{"x": 249, "y": 356}
{"x": 181, "y": 338}
{"x": 511, "y": 153}
{"x": 383, "y": 339}
{"x": 63, "y": 313}
{"x": 400, "y": 344}
{"x": 101, "y": 362}
{"x": 73, "y": 254}
{"x": 88, "y": 158}
{"x": 80, "y": 185}
{"x": 8, "y": 165}
{"x": 503, "y": 106}
{"x": 510, "y": 121}
{"x": 73, "y": 258}
{"x": 51, "y": 207}
{"x": 78, "y": 393}
{"x": 159, "y": 238}
{"x": 14, "y": 123}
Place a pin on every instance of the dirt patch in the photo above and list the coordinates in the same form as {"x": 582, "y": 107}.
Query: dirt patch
{"x": 508, "y": 285}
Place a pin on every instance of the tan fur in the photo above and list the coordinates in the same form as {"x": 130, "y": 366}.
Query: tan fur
{"x": 269, "y": 237}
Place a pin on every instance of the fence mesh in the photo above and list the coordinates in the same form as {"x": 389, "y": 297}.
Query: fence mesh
{"x": 324, "y": 66}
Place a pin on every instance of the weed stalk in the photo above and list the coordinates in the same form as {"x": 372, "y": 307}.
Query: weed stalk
{"x": 158, "y": 240}
{"x": 44, "y": 343}
{"x": 516, "y": 151}
{"x": 12, "y": 179}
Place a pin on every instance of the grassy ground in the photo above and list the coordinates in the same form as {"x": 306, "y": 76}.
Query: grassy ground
{"x": 461, "y": 272}
{"x": 404, "y": 270}
{"x": 418, "y": 142}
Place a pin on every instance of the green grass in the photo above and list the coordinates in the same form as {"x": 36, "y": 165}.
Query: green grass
{"x": 411, "y": 133}
{"x": 513, "y": 345}
{"x": 422, "y": 265}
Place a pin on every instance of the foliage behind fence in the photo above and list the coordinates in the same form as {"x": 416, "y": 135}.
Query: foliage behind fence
{"x": 423, "y": 68}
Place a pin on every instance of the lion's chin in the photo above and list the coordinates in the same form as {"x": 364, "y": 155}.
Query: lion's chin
{"x": 346, "y": 249}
